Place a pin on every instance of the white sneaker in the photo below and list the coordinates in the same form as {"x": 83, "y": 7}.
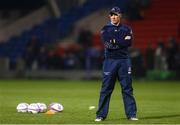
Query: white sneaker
{"x": 133, "y": 119}
{"x": 99, "y": 119}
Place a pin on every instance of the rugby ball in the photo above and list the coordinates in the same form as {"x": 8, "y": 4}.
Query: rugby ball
{"x": 22, "y": 107}
{"x": 42, "y": 107}
{"x": 34, "y": 108}
{"x": 56, "y": 107}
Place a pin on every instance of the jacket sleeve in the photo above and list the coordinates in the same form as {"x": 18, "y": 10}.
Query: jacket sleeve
{"x": 124, "y": 37}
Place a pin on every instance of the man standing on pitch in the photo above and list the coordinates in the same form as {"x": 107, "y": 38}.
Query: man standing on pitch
{"x": 116, "y": 38}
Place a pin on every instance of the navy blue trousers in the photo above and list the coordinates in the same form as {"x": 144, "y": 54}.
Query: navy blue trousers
{"x": 116, "y": 69}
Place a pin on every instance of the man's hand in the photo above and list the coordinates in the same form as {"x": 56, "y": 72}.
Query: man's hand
{"x": 127, "y": 38}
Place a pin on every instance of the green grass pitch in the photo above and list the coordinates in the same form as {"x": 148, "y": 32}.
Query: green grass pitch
{"x": 157, "y": 102}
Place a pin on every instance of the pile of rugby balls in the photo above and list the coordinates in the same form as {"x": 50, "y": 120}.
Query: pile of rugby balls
{"x": 39, "y": 107}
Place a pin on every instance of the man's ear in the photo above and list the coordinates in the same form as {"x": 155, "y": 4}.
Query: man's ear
{"x": 120, "y": 15}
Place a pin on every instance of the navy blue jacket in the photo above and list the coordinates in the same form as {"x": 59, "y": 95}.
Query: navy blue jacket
{"x": 116, "y": 40}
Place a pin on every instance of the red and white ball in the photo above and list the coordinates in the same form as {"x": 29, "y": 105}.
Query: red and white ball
{"x": 34, "y": 108}
{"x": 56, "y": 107}
{"x": 22, "y": 107}
{"x": 42, "y": 107}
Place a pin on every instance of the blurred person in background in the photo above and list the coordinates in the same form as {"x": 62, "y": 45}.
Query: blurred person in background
{"x": 116, "y": 38}
{"x": 160, "y": 57}
{"x": 137, "y": 63}
{"x": 42, "y": 58}
{"x": 31, "y": 53}
{"x": 172, "y": 50}
{"x": 85, "y": 38}
{"x": 149, "y": 57}
{"x": 177, "y": 60}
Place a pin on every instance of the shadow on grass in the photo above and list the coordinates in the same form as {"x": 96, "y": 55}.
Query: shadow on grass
{"x": 160, "y": 117}
{"x": 149, "y": 117}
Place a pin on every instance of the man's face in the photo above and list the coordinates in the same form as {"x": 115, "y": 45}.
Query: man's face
{"x": 115, "y": 18}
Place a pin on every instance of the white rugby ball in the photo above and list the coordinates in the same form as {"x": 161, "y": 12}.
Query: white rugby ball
{"x": 56, "y": 107}
{"x": 42, "y": 107}
{"x": 22, "y": 107}
{"x": 34, "y": 108}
